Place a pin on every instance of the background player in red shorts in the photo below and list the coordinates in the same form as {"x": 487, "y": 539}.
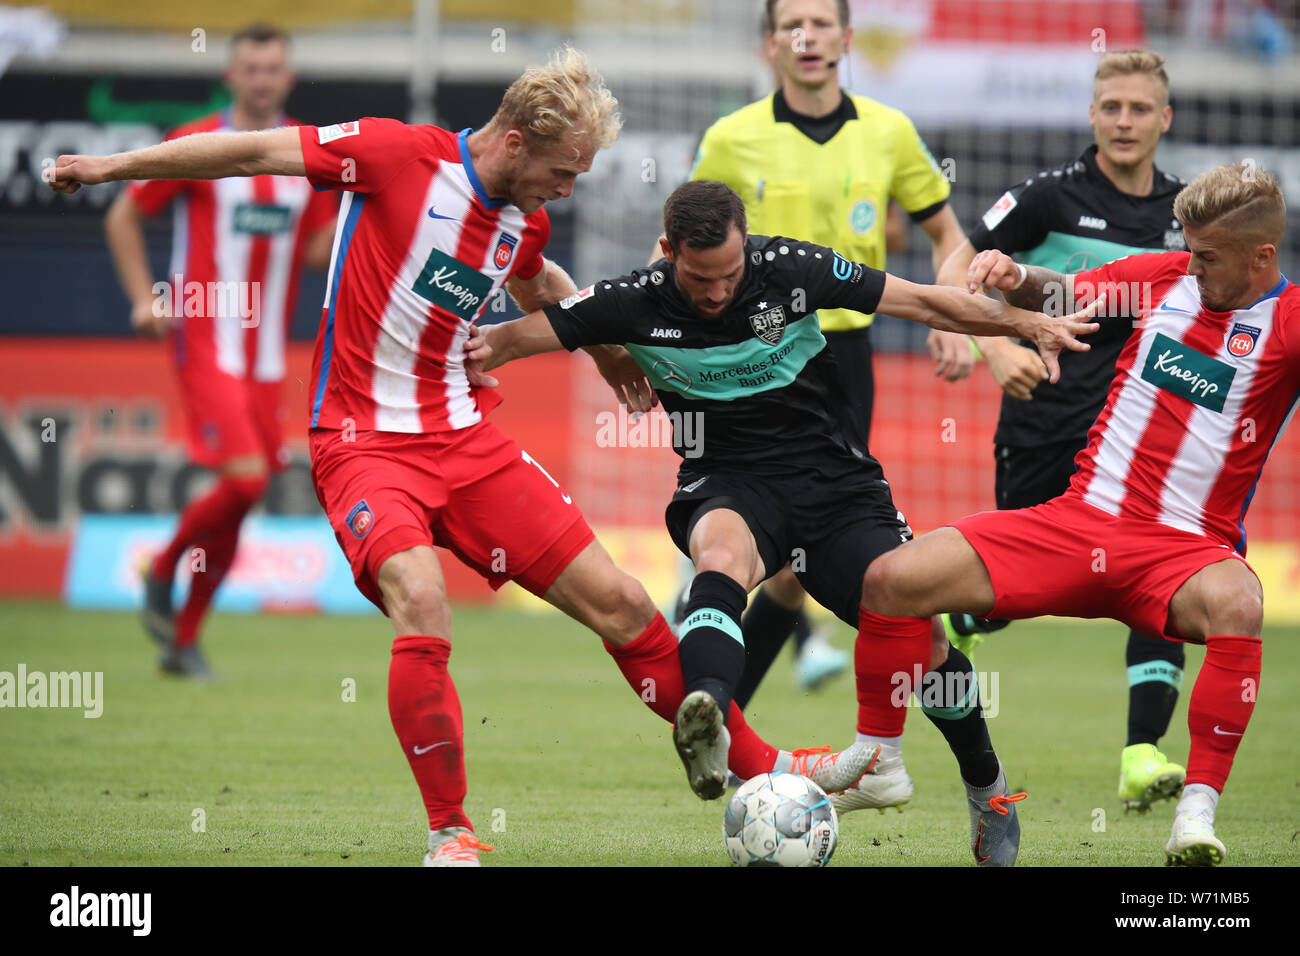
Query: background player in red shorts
{"x": 432, "y": 225}
{"x": 239, "y": 243}
{"x": 1151, "y": 531}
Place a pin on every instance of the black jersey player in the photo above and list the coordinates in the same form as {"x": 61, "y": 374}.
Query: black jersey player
{"x": 725, "y": 328}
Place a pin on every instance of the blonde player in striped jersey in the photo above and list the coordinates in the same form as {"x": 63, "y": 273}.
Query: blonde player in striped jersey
{"x": 1203, "y": 389}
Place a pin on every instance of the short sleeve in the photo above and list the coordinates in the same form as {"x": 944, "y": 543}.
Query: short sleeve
{"x": 592, "y": 316}
{"x": 1131, "y": 283}
{"x": 831, "y": 281}
{"x": 1015, "y": 223}
{"x": 918, "y": 184}
{"x": 539, "y": 225}
{"x": 154, "y": 195}
{"x": 360, "y": 155}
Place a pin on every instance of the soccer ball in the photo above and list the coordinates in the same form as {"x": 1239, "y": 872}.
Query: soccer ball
{"x": 780, "y": 819}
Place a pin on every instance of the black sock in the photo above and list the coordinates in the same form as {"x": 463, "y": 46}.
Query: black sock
{"x": 964, "y": 624}
{"x": 802, "y": 630}
{"x": 766, "y": 626}
{"x": 1155, "y": 673}
{"x": 712, "y": 647}
{"x": 949, "y": 695}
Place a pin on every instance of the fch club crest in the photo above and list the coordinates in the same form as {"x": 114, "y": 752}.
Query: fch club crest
{"x": 505, "y": 249}
{"x": 360, "y": 519}
{"x": 770, "y": 325}
{"x": 1242, "y": 339}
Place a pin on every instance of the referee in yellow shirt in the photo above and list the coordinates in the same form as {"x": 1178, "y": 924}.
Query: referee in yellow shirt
{"x": 813, "y": 162}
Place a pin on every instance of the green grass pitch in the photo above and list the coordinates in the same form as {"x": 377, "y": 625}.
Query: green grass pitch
{"x": 271, "y": 765}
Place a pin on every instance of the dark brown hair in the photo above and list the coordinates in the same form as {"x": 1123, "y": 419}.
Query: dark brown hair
{"x": 700, "y": 214}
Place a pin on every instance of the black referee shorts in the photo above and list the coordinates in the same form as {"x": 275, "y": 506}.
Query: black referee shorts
{"x": 828, "y": 531}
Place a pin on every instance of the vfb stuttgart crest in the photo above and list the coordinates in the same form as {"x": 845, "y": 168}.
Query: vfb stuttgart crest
{"x": 1242, "y": 339}
{"x": 505, "y": 249}
{"x": 770, "y": 325}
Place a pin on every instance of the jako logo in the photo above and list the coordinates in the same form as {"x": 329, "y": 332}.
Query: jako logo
{"x": 103, "y": 909}
{"x": 666, "y": 334}
{"x": 1091, "y": 222}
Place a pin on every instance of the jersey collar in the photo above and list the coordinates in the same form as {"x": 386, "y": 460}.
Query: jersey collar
{"x": 1089, "y": 161}
{"x": 820, "y": 129}
{"x": 1276, "y": 290}
{"x": 462, "y": 140}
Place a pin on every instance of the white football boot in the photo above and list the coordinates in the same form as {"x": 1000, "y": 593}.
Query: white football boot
{"x": 454, "y": 846}
{"x": 835, "y": 772}
{"x": 885, "y": 785}
{"x": 1193, "y": 842}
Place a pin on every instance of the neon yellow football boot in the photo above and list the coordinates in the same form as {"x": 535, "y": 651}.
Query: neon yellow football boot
{"x": 1146, "y": 776}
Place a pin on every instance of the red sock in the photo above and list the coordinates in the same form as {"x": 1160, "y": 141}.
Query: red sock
{"x": 651, "y": 665}
{"x": 210, "y": 559}
{"x": 1220, "y": 706}
{"x": 425, "y": 710}
{"x": 890, "y": 655}
{"x": 221, "y": 508}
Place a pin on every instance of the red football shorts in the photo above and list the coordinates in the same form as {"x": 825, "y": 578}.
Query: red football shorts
{"x": 229, "y": 417}
{"x": 472, "y": 491}
{"x": 1070, "y": 559}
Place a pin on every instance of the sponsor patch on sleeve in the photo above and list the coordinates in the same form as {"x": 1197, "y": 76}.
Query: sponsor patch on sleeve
{"x": 570, "y": 301}
{"x": 327, "y": 134}
{"x": 998, "y": 211}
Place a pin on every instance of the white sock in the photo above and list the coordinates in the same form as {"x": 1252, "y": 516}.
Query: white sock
{"x": 1192, "y": 789}
{"x": 895, "y": 742}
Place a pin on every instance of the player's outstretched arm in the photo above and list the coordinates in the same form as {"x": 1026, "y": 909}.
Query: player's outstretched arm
{"x": 507, "y": 341}
{"x": 943, "y": 307}
{"x": 1016, "y": 370}
{"x": 952, "y": 353}
{"x": 200, "y": 156}
{"x": 615, "y": 365}
{"x": 1027, "y": 287}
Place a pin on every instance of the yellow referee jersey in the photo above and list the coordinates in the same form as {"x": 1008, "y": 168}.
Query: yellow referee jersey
{"x": 836, "y": 193}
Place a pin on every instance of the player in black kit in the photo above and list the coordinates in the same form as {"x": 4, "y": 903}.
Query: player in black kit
{"x": 1110, "y": 202}
{"x": 725, "y": 328}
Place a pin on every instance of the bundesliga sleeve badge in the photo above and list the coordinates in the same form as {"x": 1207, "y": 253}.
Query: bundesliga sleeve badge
{"x": 327, "y": 134}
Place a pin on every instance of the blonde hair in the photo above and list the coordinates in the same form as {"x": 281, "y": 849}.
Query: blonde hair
{"x": 566, "y": 100}
{"x": 1130, "y": 62}
{"x": 1241, "y": 198}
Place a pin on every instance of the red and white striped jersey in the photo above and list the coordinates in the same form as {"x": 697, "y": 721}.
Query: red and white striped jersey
{"x": 1198, "y": 400}
{"x": 419, "y": 252}
{"x": 237, "y": 246}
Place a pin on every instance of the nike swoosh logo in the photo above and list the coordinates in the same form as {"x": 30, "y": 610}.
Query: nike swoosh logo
{"x": 1163, "y": 306}
{"x": 434, "y": 215}
{"x": 425, "y": 750}
{"x": 1226, "y": 733}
